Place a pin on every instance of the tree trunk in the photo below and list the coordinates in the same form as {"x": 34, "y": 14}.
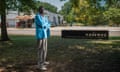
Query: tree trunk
{"x": 4, "y": 35}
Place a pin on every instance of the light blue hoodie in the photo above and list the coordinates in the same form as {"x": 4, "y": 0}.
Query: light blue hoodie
{"x": 42, "y": 27}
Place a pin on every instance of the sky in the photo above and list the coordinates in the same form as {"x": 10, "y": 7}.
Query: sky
{"x": 56, "y": 3}
{"x": 102, "y": 3}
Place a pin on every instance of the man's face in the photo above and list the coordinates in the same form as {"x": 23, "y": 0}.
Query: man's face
{"x": 42, "y": 10}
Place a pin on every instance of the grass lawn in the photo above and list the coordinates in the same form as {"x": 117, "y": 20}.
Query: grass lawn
{"x": 65, "y": 55}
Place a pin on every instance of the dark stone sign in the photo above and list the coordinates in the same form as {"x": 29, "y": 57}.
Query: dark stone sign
{"x": 85, "y": 34}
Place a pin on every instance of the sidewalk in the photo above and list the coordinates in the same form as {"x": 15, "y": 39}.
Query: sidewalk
{"x": 56, "y": 31}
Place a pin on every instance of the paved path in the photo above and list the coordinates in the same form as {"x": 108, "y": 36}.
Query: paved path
{"x": 56, "y": 31}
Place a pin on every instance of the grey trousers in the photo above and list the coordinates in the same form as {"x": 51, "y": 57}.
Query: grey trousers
{"x": 42, "y": 51}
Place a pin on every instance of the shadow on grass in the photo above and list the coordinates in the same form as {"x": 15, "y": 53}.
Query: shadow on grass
{"x": 65, "y": 55}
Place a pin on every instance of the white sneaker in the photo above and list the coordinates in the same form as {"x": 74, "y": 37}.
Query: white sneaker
{"x": 43, "y": 68}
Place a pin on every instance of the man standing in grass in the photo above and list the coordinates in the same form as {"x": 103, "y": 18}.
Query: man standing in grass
{"x": 42, "y": 33}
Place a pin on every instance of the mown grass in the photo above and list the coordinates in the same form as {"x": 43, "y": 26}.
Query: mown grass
{"x": 65, "y": 55}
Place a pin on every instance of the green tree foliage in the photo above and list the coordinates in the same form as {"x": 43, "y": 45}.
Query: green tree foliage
{"x": 83, "y": 11}
{"x": 112, "y": 13}
{"x": 21, "y": 5}
{"x": 113, "y": 16}
{"x": 92, "y": 12}
{"x": 66, "y": 11}
{"x": 113, "y": 3}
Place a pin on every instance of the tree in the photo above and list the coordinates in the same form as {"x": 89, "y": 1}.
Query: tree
{"x": 113, "y": 3}
{"x": 66, "y": 11}
{"x": 88, "y": 12}
{"x": 10, "y": 4}
{"x": 112, "y": 13}
{"x": 95, "y": 12}
{"x": 4, "y": 36}
{"x": 113, "y": 16}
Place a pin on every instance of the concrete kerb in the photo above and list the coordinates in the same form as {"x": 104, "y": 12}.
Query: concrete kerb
{"x": 56, "y": 31}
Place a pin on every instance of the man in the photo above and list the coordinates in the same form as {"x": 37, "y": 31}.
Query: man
{"x": 42, "y": 33}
